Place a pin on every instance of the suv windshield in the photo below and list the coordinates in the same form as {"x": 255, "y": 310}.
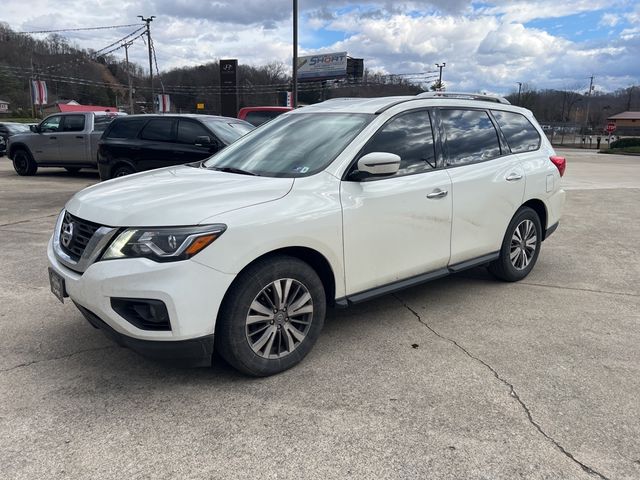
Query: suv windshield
{"x": 294, "y": 145}
{"x": 230, "y": 131}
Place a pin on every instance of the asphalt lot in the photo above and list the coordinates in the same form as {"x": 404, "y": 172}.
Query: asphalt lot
{"x": 463, "y": 378}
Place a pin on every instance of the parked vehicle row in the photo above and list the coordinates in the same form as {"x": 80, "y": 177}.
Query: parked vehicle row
{"x": 68, "y": 140}
{"x": 118, "y": 144}
{"x": 328, "y": 205}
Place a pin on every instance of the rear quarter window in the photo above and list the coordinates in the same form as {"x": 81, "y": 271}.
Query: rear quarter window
{"x": 520, "y": 134}
{"x": 125, "y": 128}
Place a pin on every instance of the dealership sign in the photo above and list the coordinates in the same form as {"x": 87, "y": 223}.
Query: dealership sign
{"x": 324, "y": 66}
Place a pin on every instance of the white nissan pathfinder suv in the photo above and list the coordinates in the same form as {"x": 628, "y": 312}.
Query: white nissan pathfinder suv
{"x": 328, "y": 205}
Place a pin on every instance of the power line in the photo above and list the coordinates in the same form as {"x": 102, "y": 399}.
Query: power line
{"x": 84, "y": 29}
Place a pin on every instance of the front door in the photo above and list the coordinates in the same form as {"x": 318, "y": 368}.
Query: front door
{"x": 397, "y": 227}
{"x": 44, "y": 145}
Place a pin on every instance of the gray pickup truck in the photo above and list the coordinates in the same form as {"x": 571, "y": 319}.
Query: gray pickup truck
{"x": 68, "y": 140}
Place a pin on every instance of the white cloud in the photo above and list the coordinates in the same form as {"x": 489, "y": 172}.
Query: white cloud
{"x": 487, "y": 46}
{"x": 609, "y": 20}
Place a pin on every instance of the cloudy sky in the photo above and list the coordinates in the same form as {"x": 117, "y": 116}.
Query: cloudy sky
{"x": 487, "y": 45}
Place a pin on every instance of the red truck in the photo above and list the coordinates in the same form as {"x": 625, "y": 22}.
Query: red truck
{"x": 259, "y": 115}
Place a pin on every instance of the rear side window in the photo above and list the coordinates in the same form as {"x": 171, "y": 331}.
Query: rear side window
{"x": 189, "y": 131}
{"x": 470, "y": 136}
{"x": 520, "y": 134}
{"x": 258, "y": 118}
{"x": 100, "y": 122}
{"x": 73, "y": 123}
{"x": 408, "y": 135}
{"x": 159, "y": 129}
{"x": 128, "y": 128}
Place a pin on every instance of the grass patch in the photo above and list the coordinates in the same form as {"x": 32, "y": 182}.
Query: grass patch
{"x": 622, "y": 151}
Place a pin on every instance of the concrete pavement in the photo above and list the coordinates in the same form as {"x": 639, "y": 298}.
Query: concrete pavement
{"x": 465, "y": 377}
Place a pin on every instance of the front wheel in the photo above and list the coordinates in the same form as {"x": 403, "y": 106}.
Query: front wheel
{"x": 271, "y": 316}
{"x": 24, "y": 164}
{"x": 520, "y": 247}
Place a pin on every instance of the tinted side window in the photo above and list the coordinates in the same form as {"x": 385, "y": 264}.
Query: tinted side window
{"x": 189, "y": 131}
{"x": 73, "y": 123}
{"x": 520, "y": 134}
{"x": 159, "y": 129}
{"x": 470, "y": 136}
{"x": 258, "y": 118}
{"x": 100, "y": 122}
{"x": 128, "y": 128}
{"x": 408, "y": 135}
{"x": 51, "y": 124}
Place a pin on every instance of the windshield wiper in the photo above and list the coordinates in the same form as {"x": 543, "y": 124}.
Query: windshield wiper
{"x": 234, "y": 170}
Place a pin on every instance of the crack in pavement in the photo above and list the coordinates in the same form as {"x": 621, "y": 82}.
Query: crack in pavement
{"x": 512, "y": 391}
{"x": 56, "y": 358}
{"x": 29, "y": 220}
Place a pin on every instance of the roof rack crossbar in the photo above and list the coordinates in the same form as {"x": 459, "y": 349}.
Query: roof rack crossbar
{"x": 465, "y": 96}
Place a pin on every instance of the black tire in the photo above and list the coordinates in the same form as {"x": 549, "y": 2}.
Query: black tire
{"x": 122, "y": 171}
{"x": 23, "y": 163}
{"x": 72, "y": 170}
{"x": 511, "y": 271}
{"x": 233, "y": 332}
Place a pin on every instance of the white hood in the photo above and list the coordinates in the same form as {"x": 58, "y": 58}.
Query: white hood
{"x": 173, "y": 196}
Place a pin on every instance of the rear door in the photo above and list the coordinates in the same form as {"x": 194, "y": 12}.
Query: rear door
{"x": 487, "y": 182}
{"x": 397, "y": 227}
{"x": 72, "y": 140}
{"x": 44, "y": 145}
{"x": 156, "y": 144}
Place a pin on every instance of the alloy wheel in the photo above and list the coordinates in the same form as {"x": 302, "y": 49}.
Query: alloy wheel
{"x": 524, "y": 242}
{"x": 279, "y": 318}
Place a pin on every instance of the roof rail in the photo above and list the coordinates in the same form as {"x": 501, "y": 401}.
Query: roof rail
{"x": 465, "y": 96}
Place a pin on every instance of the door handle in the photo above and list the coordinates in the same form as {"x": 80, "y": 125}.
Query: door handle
{"x": 53, "y": 138}
{"x": 512, "y": 177}
{"x": 437, "y": 194}
{"x": 80, "y": 137}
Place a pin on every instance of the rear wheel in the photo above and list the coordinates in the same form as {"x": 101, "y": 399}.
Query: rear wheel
{"x": 23, "y": 163}
{"x": 520, "y": 247}
{"x": 271, "y": 316}
{"x": 122, "y": 171}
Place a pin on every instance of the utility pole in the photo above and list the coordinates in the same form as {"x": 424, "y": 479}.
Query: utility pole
{"x": 126, "y": 46}
{"x": 294, "y": 93}
{"x": 444, "y": 64}
{"x": 520, "y": 91}
{"x": 148, "y": 21}
{"x": 586, "y": 121}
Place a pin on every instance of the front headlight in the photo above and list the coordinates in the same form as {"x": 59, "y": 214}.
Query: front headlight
{"x": 163, "y": 244}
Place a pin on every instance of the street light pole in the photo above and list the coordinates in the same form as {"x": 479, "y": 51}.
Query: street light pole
{"x": 519, "y": 91}
{"x": 126, "y": 46}
{"x": 294, "y": 93}
{"x": 586, "y": 121}
{"x": 148, "y": 21}
{"x": 444, "y": 64}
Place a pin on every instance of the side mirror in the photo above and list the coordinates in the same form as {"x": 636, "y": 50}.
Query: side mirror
{"x": 379, "y": 163}
{"x": 203, "y": 141}
{"x": 34, "y": 128}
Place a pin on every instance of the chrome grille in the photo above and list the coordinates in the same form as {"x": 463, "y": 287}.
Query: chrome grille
{"x": 75, "y": 235}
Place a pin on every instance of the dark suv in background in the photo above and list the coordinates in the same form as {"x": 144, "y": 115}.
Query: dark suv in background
{"x": 143, "y": 142}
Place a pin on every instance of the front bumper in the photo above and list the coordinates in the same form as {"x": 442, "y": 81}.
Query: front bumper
{"x": 191, "y": 292}
{"x": 196, "y": 352}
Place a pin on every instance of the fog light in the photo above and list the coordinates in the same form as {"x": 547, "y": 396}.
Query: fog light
{"x": 146, "y": 314}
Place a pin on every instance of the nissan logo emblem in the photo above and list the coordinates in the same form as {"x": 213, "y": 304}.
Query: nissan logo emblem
{"x": 67, "y": 234}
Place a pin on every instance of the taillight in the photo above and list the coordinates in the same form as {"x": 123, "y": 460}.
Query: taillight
{"x": 559, "y": 162}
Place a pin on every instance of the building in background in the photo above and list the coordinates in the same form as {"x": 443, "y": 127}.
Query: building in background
{"x": 4, "y": 107}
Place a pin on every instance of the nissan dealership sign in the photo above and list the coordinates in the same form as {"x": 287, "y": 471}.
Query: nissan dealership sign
{"x": 324, "y": 66}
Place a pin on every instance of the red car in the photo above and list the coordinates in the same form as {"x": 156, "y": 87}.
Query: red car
{"x": 259, "y": 115}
